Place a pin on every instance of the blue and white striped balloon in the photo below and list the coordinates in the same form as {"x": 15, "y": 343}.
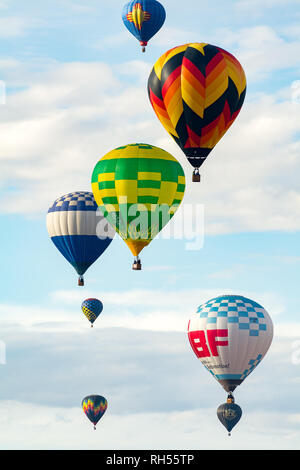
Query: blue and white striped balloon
{"x": 72, "y": 222}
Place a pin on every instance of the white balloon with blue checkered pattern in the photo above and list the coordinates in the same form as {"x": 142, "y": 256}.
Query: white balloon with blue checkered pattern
{"x": 78, "y": 230}
{"x": 230, "y": 334}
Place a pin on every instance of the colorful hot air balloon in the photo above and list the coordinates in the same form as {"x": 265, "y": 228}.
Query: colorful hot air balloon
{"x": 138, "y": 188}
{"x": 143, "y": 18}
{"x": 230, "y": 335}
{"x": 72, "y": 223}
{"x": 94, "y": 406}
{"x": 197, "y": 91}
{"x": 92, "y": 309}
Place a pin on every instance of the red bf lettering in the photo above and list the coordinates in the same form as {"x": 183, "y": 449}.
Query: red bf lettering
{"x": 199, "y": 342}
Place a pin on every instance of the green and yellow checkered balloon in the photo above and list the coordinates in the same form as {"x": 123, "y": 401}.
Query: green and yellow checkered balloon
{"x": 138, "y": 188}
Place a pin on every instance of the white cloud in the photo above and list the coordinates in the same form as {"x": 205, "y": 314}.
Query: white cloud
{"x": 169, "y": 37}
{"x": 152, "y": 382}
{"x": 136, "y": 309}
{"x": 25, "y": 426}
{"x": 65, "y": 121}
{"x": 228, "y": 273}
{"x": 261, "y": 50}
{"x": 151, "y": 309}
{"x": 16, "y": 26}
{"x": 78, "y": 7}
{"x": 248, "y": 181}
{"x": 113, "y": 40}
{"x": 257, "y": 7}
{"x": 287, "y": 330}
{"x": 137, "y": 353}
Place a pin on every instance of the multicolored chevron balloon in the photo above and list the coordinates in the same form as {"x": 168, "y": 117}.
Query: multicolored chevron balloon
{"x": 138, "y": 188}
{"x": 94, "y": 406}
{"x": 197, "y": 91}
{"x": 92, "y": 309}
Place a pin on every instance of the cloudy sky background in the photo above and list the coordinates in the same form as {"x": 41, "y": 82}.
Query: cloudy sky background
{"x": 75, "y": 84}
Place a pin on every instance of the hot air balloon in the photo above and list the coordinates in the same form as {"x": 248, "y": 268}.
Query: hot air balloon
{"x": 94, "y": 406}
{"x": 138, "y": 188}
{"x": 72, "y": 222}
{"x": 229, "y": 413}
{"x": 92, "y": 309}
{"x": 197, "y": 91}
{"x": 230, "y": 334}
{"x": 143, "y": 18}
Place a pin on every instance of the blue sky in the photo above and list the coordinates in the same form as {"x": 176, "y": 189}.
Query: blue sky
{"x": 76, "y": 88}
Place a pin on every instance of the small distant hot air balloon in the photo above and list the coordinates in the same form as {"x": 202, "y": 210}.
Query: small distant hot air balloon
{"x": 72, "y": 225}
{"x": 197, "y": 91}
{"x": 143, "y": 18}
{"x": 229, "y": 413}
{"x": 92, "y": 309}
{"x": 138, "y": 188}
{"x": 230, "y": 334}
{"x": 94, "y": 406}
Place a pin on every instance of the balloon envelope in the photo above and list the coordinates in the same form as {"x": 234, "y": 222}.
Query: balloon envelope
{"x": 143, "y": 18}
{"x": 197, "y": 91}
{"x": 138, "y": 188}
{"x": 92, "y": 309}
{"x": 229, "y": 414}
{"x": 72, "y": 225}
{"x": 230, "y": 335}
{"x": 94, "y": 406}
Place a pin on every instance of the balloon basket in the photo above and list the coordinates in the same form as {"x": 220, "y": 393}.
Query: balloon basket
{"x": 137, "y": 265}
{"x": 143, "y": 44}
{"x": 80, "y": 281}
{"x": 196, "y": 178}
{"x": 230, "y": 398}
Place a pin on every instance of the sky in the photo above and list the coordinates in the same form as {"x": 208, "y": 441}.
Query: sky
{"x": 75, "y": 88}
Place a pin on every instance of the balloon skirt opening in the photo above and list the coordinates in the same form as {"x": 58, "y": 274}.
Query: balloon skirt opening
{"x": 136, "y": 246}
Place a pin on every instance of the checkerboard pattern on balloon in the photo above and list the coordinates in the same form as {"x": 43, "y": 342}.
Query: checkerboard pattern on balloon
{"x": 89, "y": 314}
{"x": 76, "y": 201}
{"x": 252, "y": 364}
{"x": 245, "y": 313}
{"x": 92, "y": 309}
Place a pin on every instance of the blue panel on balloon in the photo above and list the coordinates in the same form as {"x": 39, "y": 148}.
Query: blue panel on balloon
{"x": 81, "y": 250}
